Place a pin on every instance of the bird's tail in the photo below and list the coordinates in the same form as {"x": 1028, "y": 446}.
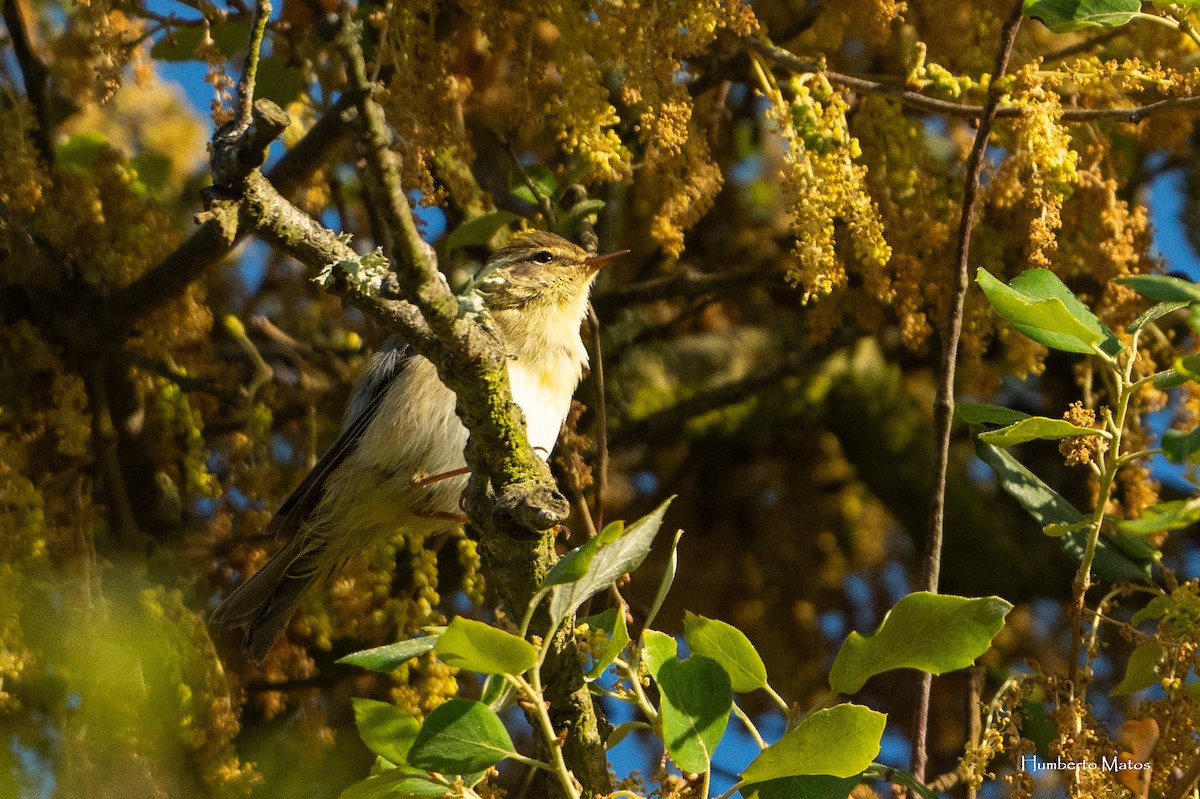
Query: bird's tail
{"x": 264, "y": 604}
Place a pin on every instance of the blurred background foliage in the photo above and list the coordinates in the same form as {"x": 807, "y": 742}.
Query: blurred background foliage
{"x": 769, "y": 345}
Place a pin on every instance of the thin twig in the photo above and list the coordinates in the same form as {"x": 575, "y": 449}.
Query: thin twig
{"x": 411, "y": 261}
{"x": 793, "y": 63}
{"x": 1185, "y": 782}
{"x": 245, "y": 89}
{"x": 543, "y": 202}
{"x": 687, "y": 283}
{"x": 601, "y": 409}
{"x": 943, "y": 412}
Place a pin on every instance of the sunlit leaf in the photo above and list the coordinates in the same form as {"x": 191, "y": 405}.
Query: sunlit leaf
{"x": 1155, "y": 609}
{"x": 696, "y": 701}
{"x": 391, "y": 656}
{"x": 840, "y": 741}
{"x": 460, "y": 737}
{"x": 728, "y": 646}
{"x": 475, "y": 646}
{"x": 657, "y": 649}
{"x": 1041, "y": 307}
{"x": 1033, "y": 428}
{"x": 1065, "y": 16}
{"x": 809, "y": 786}
{"x": 1172, "y": 515}
{"x": 540, "y": 176}
{"x": 1154, "y": 313}
{"x": 931, "y": 632}
{"x": 387, "y": 730}
{"x": 1163, "y": 288}
{"x": 612, "y": 623}
{"x": 395, "y": 784}
{"x": 1141, "y": 671}
{"x": 610, "y": 561}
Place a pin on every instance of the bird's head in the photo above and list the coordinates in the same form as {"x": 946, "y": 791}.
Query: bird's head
{"x": 539, "y": 273}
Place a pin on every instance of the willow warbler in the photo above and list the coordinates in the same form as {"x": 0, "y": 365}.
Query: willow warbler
{"x": 397, "y": 467}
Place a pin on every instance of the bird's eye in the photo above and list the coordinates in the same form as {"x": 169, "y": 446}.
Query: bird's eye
{"x": 543, "y": 257}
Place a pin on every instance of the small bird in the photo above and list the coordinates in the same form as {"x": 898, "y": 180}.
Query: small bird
{"x": 397, "y": 466}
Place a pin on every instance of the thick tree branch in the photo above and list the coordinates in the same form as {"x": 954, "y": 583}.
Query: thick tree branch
{"x": 35, "y": 74}
{"x": 943, "y": 409}
{"x": 793, "y": 63}
{"x": 412, "y": 263}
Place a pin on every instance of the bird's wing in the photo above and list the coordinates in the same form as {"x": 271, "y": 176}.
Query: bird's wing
{"x": 368, "y": 394}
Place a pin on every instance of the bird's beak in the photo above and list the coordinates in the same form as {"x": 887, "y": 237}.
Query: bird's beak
{"x": 597, "y": 261}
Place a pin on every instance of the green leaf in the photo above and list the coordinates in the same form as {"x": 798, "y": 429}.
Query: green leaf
{"x": 611, "y": 560}
{"x": 1140, "y": 672}
{"x": 1169, "y": 379}
{"x": 228, "y": 37}
{"x": 1188, "y": 366}
{"x": 1048, "y": 508}
{"x": 612, "y": 622}
{"x": 1154, "y": 313}
{"x": 1173, "y": 515}
{"x": 1039, "y": 306}
{"x": 840, "y": 741}
{"x": 81, "y": 149}
{"x": 931, "y": 632}
{"x": 1033, "y": 428}
{"x": 394, "y": 784}
{"x": 390, "y": 657}
{"x": 478, "y": 232}
{"x": 728, "y": 646}
{"x": 1163, "y": 288}
{"x": 1065, "y": 16}
{"x": 657, "y": 649}
{"x": 278, "y": 81}
{"x": 812, "y": 786}
{"x": 668, "y": 579}
{"x": 475, "y": 646}
{"x": 1155, "y": 609}
{"x": 460, "y": 737}
{"x": 386, "y": 730}
{"x": 574, "y": 565}
{"x": 1038, "y": 726}
{"x": 569, "y": 224}
{"x": 496, "y": 693}
{"x": 152, "y": 170}
{"x": 541, "y": 177}
{"x": 696, "y": 701}
{"x": 982, "y": 413}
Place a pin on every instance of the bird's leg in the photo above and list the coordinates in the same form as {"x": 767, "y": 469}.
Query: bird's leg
{"x": 421, "y": 482}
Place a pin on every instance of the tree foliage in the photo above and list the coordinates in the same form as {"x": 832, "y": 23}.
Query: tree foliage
{"x": 179, "y": 330}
